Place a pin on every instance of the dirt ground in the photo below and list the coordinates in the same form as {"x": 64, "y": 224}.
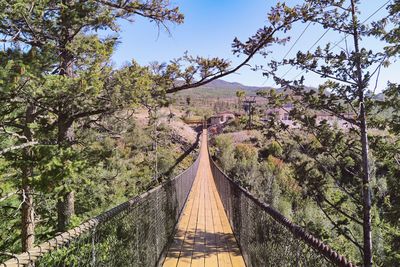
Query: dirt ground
{"x": 178, "y": 126}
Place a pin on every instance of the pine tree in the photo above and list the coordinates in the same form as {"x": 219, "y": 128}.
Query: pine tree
{"x": 76, "y": 82}
{"x": 240, "y": 94}
{"x": 344, "y": 95}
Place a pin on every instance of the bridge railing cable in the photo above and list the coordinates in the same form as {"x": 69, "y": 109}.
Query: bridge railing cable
{"x": 265, "y": 236}
{"x": 135, "y": 233}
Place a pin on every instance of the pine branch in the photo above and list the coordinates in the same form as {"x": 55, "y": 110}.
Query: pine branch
{"x": 341, "y": 232}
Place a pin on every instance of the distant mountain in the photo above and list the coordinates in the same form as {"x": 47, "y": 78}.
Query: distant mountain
{"x": 221, "y": 84}
{"x": 221, "y": 88}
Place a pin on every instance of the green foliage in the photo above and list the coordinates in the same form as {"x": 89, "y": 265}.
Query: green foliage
{"x": 59, "y": 87}
{"x": 269, "y": 179}
{"x": 309, "y": 177}
{"x": 238, "y": 124}
{"x": 339, "y": 169}
{"x": 225, "y": 152}
{"x": 246, "y": 163}
{"x": 274, "y": 149}
{"x": 104, "y": 170}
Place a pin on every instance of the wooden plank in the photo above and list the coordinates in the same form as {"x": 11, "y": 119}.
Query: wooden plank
{"x": 223, "y": 251}
{"x": 229, "y": 239}
{"x": 211, "y": 257}
{"x": 199, "y": 242}
{"x": 185, "y": 256}
{"x": 204, "y": 236}
{"x": 174, "y": 251}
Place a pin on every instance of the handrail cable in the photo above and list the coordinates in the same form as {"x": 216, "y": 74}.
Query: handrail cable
{"x": 148, "y": 220}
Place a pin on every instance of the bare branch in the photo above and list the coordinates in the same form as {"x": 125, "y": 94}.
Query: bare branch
{"x": 18, "y": 147}
{"x": 220, "y": 74}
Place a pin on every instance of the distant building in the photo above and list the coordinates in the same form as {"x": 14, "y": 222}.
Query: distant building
{"x": 222, "y": 118}
{"x": 283, "y": 115}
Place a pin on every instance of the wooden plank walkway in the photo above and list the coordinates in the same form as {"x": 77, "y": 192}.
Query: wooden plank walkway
{"x": 204, "y": 236}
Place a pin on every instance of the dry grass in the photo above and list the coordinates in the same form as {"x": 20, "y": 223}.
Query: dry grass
{"x": 177, "y": 125}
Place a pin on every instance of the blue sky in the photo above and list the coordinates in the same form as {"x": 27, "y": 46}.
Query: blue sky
{"x": 211, "y": 25}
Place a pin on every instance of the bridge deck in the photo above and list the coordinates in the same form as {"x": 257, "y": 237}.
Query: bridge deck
{"x": 204, "y": 236}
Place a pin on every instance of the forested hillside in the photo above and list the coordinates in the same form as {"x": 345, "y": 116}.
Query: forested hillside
{"x": 219, "y": 88}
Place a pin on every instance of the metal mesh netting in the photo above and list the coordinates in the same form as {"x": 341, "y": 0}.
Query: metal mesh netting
{"x": 266, "y": 237}
{"x": 134, "y": 233}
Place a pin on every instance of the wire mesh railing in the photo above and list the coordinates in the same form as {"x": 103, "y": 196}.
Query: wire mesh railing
{"x": 134, "y": 233}
{"x": 265, "y": 236}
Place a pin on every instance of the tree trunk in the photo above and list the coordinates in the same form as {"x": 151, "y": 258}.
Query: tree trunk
{"x": 366, "y": 187}
{"x": 66, "y": 202}
{"x": 65, "y": 210}
{"x": 65, "y": 205}
{"x": 27, "y": 209}
{"x": 367, "y": 228}
{"x": 28, "y": 217}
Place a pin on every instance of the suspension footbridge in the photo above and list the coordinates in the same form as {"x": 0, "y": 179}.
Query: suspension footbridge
{"x": 199, "y": 218}
{"x": 204, "y": 236}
